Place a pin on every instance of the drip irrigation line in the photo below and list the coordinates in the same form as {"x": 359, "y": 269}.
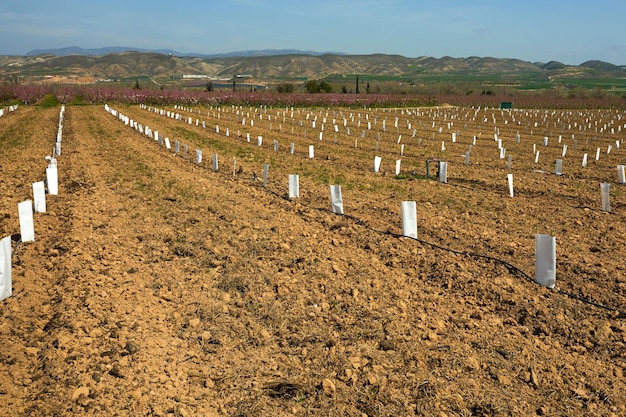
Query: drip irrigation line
{"x": 17, "y": 237}
{"x": 622, "y": 313}
{"x": 511, "y": 268}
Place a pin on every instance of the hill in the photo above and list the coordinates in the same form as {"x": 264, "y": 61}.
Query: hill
{"x": 271, "y": 66}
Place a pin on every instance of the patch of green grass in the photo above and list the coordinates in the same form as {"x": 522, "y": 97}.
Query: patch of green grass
{"x": 199, "y": 140}
{"x": 245, "y": 154}
{"x": 14, "y": 136}
{"x": 49, "y": 100}
{"x": 77, "y": 101}
{"x": 9, "y": 138}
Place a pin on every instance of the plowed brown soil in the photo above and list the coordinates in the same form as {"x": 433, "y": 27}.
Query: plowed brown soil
{"x": 156, "y": 286}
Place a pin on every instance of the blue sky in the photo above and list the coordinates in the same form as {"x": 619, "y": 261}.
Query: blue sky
{"x": 532, "y": 30}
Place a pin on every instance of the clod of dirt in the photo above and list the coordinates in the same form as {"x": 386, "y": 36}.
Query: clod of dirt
{"x": 328, "y": 386}
{"x": 282, "y": 389}
{"x": 96, "y": 376}
{"x": 131, "y": 347}
{"x": 387, "y": 345}
{"x": 116, "y": 372}
{"x": 80, "y": 392}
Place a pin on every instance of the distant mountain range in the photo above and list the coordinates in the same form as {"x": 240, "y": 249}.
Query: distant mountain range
{"x": 76, "y": 50}
{"x": 78, "y": 65}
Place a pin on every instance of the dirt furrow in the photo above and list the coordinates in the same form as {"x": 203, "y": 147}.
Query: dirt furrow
{"x": 158, "y": 287}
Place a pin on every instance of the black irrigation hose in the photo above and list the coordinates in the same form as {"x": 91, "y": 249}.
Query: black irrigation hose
{"x": 18, "y": 239}
{"x": 512, "y": 268}
{"x": 622, "y": 313}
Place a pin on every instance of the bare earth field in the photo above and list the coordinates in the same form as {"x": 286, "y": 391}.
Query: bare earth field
{"x": 159, "y": 287}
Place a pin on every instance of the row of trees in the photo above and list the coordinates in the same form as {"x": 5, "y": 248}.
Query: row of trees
{"x": 75, "y": 95}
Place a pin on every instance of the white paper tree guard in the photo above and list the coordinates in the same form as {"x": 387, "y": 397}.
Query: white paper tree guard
{"x": 545, "y": 260}
{"x": 564, "y": 151}
{"x": 377, "y": 161}
{"x": 291, "y": 148}
{"x": 259, "y": 140}
{"x": 598, "y": 154}
{"x": 398, "y": 163}
{"x": 509, "y": 178}
{"x": 311, "y": 151}
{"x": 168, "y": 146}
{"x": 402, "y": 149}
{"x": 27, "y": 226}
{"x": 558, "y": 167}
{"x": 453, "y": 137}
{"x": 443, "y": 145}
{"x": 409, "y": 219}
{"x": 6, "y": 284}
{"x": 509, "y": 162}
{"x": 294, "y": 186}
{"x": 584, "y": 160}
{"x": 443, "y": 172}
{"x": 57, "y": 150}
{"x": 248, "y": 137}
{"x": 502, "y": 153}
{"x": 621, "y": 176}
{"x": 336, "y": 201}
{"x": 266, "y": 170}
{"x": 52, "y": 180}
{"x": 608, "y": 150}
{"x": 605, "y": 188}
{"x": 537, "y": 157}
{"x": 39, "y": 196}
{"x": 198, "y": 156}
{"x": 275, "y": 145}
{"x": 467, "y": 157}
{"x": 214, "y": 162}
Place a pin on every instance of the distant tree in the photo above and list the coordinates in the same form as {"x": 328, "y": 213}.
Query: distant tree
{"x": 327, "y": 88}
{"x": 137, "y": 87}
{"x": 357, "y": 84}
{"x": 285, "y": 88}
{"x": 312, "y": 86}
{"x": 234, "y": 78}
{"x": 367, "y": 88}
{"x": 344, "y": 90}
{"x": 209, "y": 86}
